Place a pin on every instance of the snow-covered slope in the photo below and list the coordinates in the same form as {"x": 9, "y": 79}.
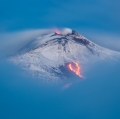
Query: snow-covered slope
{"x": 44, "y": 56}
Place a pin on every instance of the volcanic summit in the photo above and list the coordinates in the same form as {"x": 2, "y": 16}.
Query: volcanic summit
{"x": 45, "y": 55}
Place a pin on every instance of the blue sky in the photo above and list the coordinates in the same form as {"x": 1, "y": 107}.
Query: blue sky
{"x": 75, "y": 14}
{"x": 24, "y": 97}
{"x": 98, "y": 20}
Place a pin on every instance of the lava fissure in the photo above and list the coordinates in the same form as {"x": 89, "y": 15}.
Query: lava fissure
{"x": 75, "y": 68}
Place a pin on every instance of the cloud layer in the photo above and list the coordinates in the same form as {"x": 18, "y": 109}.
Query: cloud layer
{"x": 11, "y": 42}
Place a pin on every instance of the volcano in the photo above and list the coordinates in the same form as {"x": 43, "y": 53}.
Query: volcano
{"x": 46, "y": 56}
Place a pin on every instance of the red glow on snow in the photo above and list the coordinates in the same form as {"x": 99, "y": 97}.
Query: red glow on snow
{"x": 75, "y": 67}
{"x": 57, "y": 31}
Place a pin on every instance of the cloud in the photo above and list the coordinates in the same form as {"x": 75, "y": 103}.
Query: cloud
{"x": 105, "y": 39}
{"x": 11, "y": 42}
{"x": 109, "y": 41}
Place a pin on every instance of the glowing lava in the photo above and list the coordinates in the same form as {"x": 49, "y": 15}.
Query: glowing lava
{"x": 75, "y": 68}
{"x": 57, "y": 31}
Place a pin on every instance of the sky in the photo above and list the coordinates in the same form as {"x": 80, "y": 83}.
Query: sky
{"x": 23, "y": 96}
{"x": 95, "y": 19}
{"x": 15, "y": 15}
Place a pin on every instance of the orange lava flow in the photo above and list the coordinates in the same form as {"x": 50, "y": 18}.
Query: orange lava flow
{"x": 75, "y": 68}
{"x": 57, "y": 31}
